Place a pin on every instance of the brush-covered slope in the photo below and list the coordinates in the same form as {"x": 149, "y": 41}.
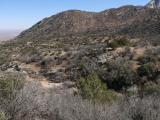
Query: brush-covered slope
{"x": 74, "y": 43}
{"x": 106, "y": 57}
{"x": 127, "y": 20}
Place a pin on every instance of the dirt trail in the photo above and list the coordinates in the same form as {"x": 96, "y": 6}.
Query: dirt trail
{"x": 43, "y": 81}
{"x": 32, "y": 67}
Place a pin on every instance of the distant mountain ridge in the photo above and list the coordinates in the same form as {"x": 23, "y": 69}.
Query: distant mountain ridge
{"x": 133, "y": 21}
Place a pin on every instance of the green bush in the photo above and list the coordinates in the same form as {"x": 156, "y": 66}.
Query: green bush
{"x": 150, "y": 55}
{"x": 9, "y": 84}
{"x": 118, "y": 43}
{"x": 149, "y": 70}
{"x": 147, "y": 58}
{"x": 2, "y": 116}
{"x": 94, "y": 89}
{"x": 28, "y": 50}
{"x": 151, "y": 88}
{"x": 4, "y": 58}
{"x": 119, "y": 75}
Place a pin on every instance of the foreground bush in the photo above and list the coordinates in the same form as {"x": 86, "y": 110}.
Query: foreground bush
{"x": 119, "y": 75}
{"x": 150, "y": 70}
{"x": 151, "y": 88}
{"x": 151, "y": 56}
{"x": 4, "y": 58}
{"x": 9, "y": 84}
{"x": 41, "y": 104}
{"x": 118, "y": 43}
{"x": 2, "y": 116}
{"x": 93, "y": 88}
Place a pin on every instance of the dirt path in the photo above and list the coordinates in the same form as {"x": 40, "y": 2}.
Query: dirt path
{"x": 43, "y": 81}
{"x": 33, "y": 67}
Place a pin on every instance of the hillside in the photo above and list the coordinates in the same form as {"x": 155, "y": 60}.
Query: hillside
{"x": 131, "y": 21}
{"x": 79, "y": 65}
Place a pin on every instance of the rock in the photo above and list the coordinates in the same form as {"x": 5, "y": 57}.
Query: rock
{"x": 68, "y": 84}
{"x": 133, "y": 89}
{"x": 154, "y": 4}
{"x": 4, "y": 67}
{"x": 10, "y": 66}
{"x": 29, "y": 44}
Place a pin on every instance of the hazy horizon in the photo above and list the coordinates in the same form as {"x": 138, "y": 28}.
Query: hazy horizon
{"x": 8, "y": 34}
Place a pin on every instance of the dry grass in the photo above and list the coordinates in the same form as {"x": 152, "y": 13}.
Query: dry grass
{"x": 37, "y": 103}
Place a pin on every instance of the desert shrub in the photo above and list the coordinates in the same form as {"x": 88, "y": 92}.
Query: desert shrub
{"x": 87, "y": 66}
{"x": 150, "y": 70}
{"x": 2, "y": 116}
{"x": 146, "y": 108}
{"x": 9, "y": 83}
{"x": 119, "y": 75}
{"x": 151, "y": 55}
{"x": 81, "y": 66}
{"x": 151, "y": 88}
{"x": 118, "y": 43}
{"x": 42, "y": 104}
{"x": 30, "y": 54}
{"x": 127, "y": 53}
{"x": 148, "y": 58}
{"x": 31, "y": 58}
{"x": 47, "y": 62}
{"x": 28, "y": 50}
{"x": 4, "y": 58}
{"x": 93, "y": 88}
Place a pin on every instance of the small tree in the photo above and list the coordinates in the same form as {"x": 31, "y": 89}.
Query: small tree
{"x": 119, "y": 76}
{"x": 94, "y": 89}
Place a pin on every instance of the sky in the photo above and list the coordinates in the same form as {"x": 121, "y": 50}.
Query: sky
{"x": 22, "y": 14}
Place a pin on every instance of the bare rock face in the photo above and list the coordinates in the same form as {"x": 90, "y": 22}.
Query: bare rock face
{"x": 154, "y": 4}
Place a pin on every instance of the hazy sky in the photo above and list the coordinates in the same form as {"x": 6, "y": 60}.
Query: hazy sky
{"x": 21, "y": 14}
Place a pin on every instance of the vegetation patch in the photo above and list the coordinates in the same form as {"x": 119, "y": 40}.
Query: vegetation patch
{"x": 150, "y": 70}
{"x": 9, "y": 84}
{"x": 29, "y": 50}
{"x": 148, "y": 58}
{"x": 2, "y": 116}
{"x": 119, "y": 43}
{"x": 151, "y": 88}
{"x": 119, "y": 75}
{"x": 94, "y": 89}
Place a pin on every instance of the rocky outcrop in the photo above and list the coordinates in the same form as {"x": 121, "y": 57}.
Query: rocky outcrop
{"x": 154, "y": 4}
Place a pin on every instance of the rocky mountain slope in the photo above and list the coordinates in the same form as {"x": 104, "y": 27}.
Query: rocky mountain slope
{"x": 102, "y": 57}
{"x": 133, "y": 21}
{"x": 61, "y": 44}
